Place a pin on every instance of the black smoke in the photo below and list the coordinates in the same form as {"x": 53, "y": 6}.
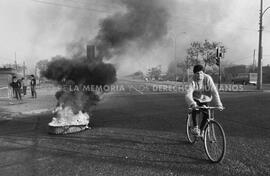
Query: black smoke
{"x": 144, "y": 22}
{"x": 81, "y": 71}
{"x": 75, "y": 74}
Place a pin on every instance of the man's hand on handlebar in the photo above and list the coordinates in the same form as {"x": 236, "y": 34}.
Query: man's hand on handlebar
{"x": 194, "y": 106}
{"x": 221, "y": 108}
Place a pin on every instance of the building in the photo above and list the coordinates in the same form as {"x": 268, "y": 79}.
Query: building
{"x": 5, "y": 79}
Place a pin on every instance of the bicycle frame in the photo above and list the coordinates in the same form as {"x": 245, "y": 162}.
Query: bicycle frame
{"x": 209, "y": 118}
{"x": 209, "y": 134}
{"x": 210, "y": 113}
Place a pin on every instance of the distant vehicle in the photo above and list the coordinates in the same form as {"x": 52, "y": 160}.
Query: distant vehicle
{"x": 245, "y": 78}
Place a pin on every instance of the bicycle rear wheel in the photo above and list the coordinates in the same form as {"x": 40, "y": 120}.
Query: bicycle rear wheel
{"x": 214, "y": 141}
{"x": 189, "y": 125}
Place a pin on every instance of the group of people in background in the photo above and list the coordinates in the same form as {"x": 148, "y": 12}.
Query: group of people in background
{"x": 19, "y": 87}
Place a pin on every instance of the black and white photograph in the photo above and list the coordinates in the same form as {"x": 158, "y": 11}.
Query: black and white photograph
{"x": 134, "y": 87}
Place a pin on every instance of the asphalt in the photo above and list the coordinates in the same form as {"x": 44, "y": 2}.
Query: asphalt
{"x": 138, "y": 134}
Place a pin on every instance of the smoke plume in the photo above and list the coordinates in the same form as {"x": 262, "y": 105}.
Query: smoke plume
{"x": 76, "y": 74}
{"x": 143, "y": 23}
{"x": 81, "y": 71}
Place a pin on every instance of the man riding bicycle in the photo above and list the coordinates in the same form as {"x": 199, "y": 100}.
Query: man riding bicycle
{"x": 201, "y": 91}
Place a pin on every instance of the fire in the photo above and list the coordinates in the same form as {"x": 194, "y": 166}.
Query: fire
{"x": 66, "y": 117}
{"x": 66, "y": 121}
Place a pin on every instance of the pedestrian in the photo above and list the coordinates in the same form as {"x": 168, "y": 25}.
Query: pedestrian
{"x": 33, "y": 86}
{"x": 11, "y": 93}
{"x": 16, "y": 85}
{"x": 24, "y": 86}
{"x": 11, "y": 86}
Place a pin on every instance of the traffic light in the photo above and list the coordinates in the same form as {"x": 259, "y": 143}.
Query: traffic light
{"x": 217, "y": 52}
{"x": 218, "y": 61}
{"x": 220, "y": 55}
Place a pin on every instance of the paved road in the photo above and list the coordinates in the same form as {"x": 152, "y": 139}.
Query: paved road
{"x": 140, "y": 134}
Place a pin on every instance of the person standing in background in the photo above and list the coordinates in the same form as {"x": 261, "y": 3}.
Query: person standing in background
{"x": 16, "y": 85}
{"x": 11, "y": 93}
{"x": 33, "y": 86}
{"x": 24, "y": 86}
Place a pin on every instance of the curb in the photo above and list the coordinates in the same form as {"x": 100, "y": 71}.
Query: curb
{"x": 12, "y": 115}
{"x": 37, "y": 111}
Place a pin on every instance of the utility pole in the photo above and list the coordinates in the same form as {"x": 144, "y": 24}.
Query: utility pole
{"x": 254, "y": 61}
{"x": 176, "y": 75}
{"x": 175, "y": 51}
{"x": 24, "y": 69}
{"x": 219, "y": 71}
{"x": 259, "y": 79}
{"x": 16, "y": 67}
{"x": 35, "y": 71}
{"x": 175, "y": 47}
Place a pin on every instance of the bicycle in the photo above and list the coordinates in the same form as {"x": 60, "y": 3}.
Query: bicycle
{"x": 213, "y": 137}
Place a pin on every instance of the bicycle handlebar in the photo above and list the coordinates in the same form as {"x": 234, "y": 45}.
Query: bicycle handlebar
{"x": 206, "y": 107}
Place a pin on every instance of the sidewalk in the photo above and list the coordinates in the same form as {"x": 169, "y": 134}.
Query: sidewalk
{"x": 44, "y": 102}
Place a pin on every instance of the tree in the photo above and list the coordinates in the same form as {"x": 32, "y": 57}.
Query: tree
{"x": 193, "y": 53}
{"x": 19, "y": 68}
{"x": 42, "y": 66}
{"x": 154, "y": 73}
{"x": 137, "y": 75}
{"x": 203, "y": 52}
{"x": 252, "y": 68}
{"x": 176, "y": 71}
{"x": 209, "y": 53}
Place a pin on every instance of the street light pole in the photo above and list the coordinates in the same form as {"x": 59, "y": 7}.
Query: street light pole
{"x": 175, "y": 47}
{"x": 175, "y": 50}
{"x": 259, "y": 78}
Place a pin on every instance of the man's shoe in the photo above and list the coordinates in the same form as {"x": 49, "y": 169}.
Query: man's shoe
{"x": 202, "y": 133}
{"x": 196, "y": 131}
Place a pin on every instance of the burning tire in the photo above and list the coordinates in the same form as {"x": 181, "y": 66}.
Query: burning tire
{"x": 67, "y": 122}
{"x": 67, "y": 129}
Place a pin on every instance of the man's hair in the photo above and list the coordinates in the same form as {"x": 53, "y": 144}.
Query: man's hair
{"x": 198, "y": 68}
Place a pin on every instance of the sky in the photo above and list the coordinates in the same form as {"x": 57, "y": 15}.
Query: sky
{"x": 33, "y": 30}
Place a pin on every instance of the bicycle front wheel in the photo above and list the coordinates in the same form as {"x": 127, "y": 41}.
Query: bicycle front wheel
{"x": 189, "y": 126}
{"x": 214, "y": 141}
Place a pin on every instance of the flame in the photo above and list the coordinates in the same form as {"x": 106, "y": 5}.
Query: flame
{"x": 66, "y": 117}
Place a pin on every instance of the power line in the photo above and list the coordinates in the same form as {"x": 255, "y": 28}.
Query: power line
{"x": 70, "y": 6}
{"x": 218, "y": 28}
{"x": 91, "y": 3}
{"x": 193, "y": 20}
{"x": 244, "y": 58}
{"x": 190, "y": 20}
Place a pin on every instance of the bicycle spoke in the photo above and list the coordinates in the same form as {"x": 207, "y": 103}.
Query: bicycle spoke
{"x": 215, "y": 143}
{"x": 189, "y": 123}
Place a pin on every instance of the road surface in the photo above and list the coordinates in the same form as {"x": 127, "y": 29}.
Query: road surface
{"x": 140, "y": 133}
